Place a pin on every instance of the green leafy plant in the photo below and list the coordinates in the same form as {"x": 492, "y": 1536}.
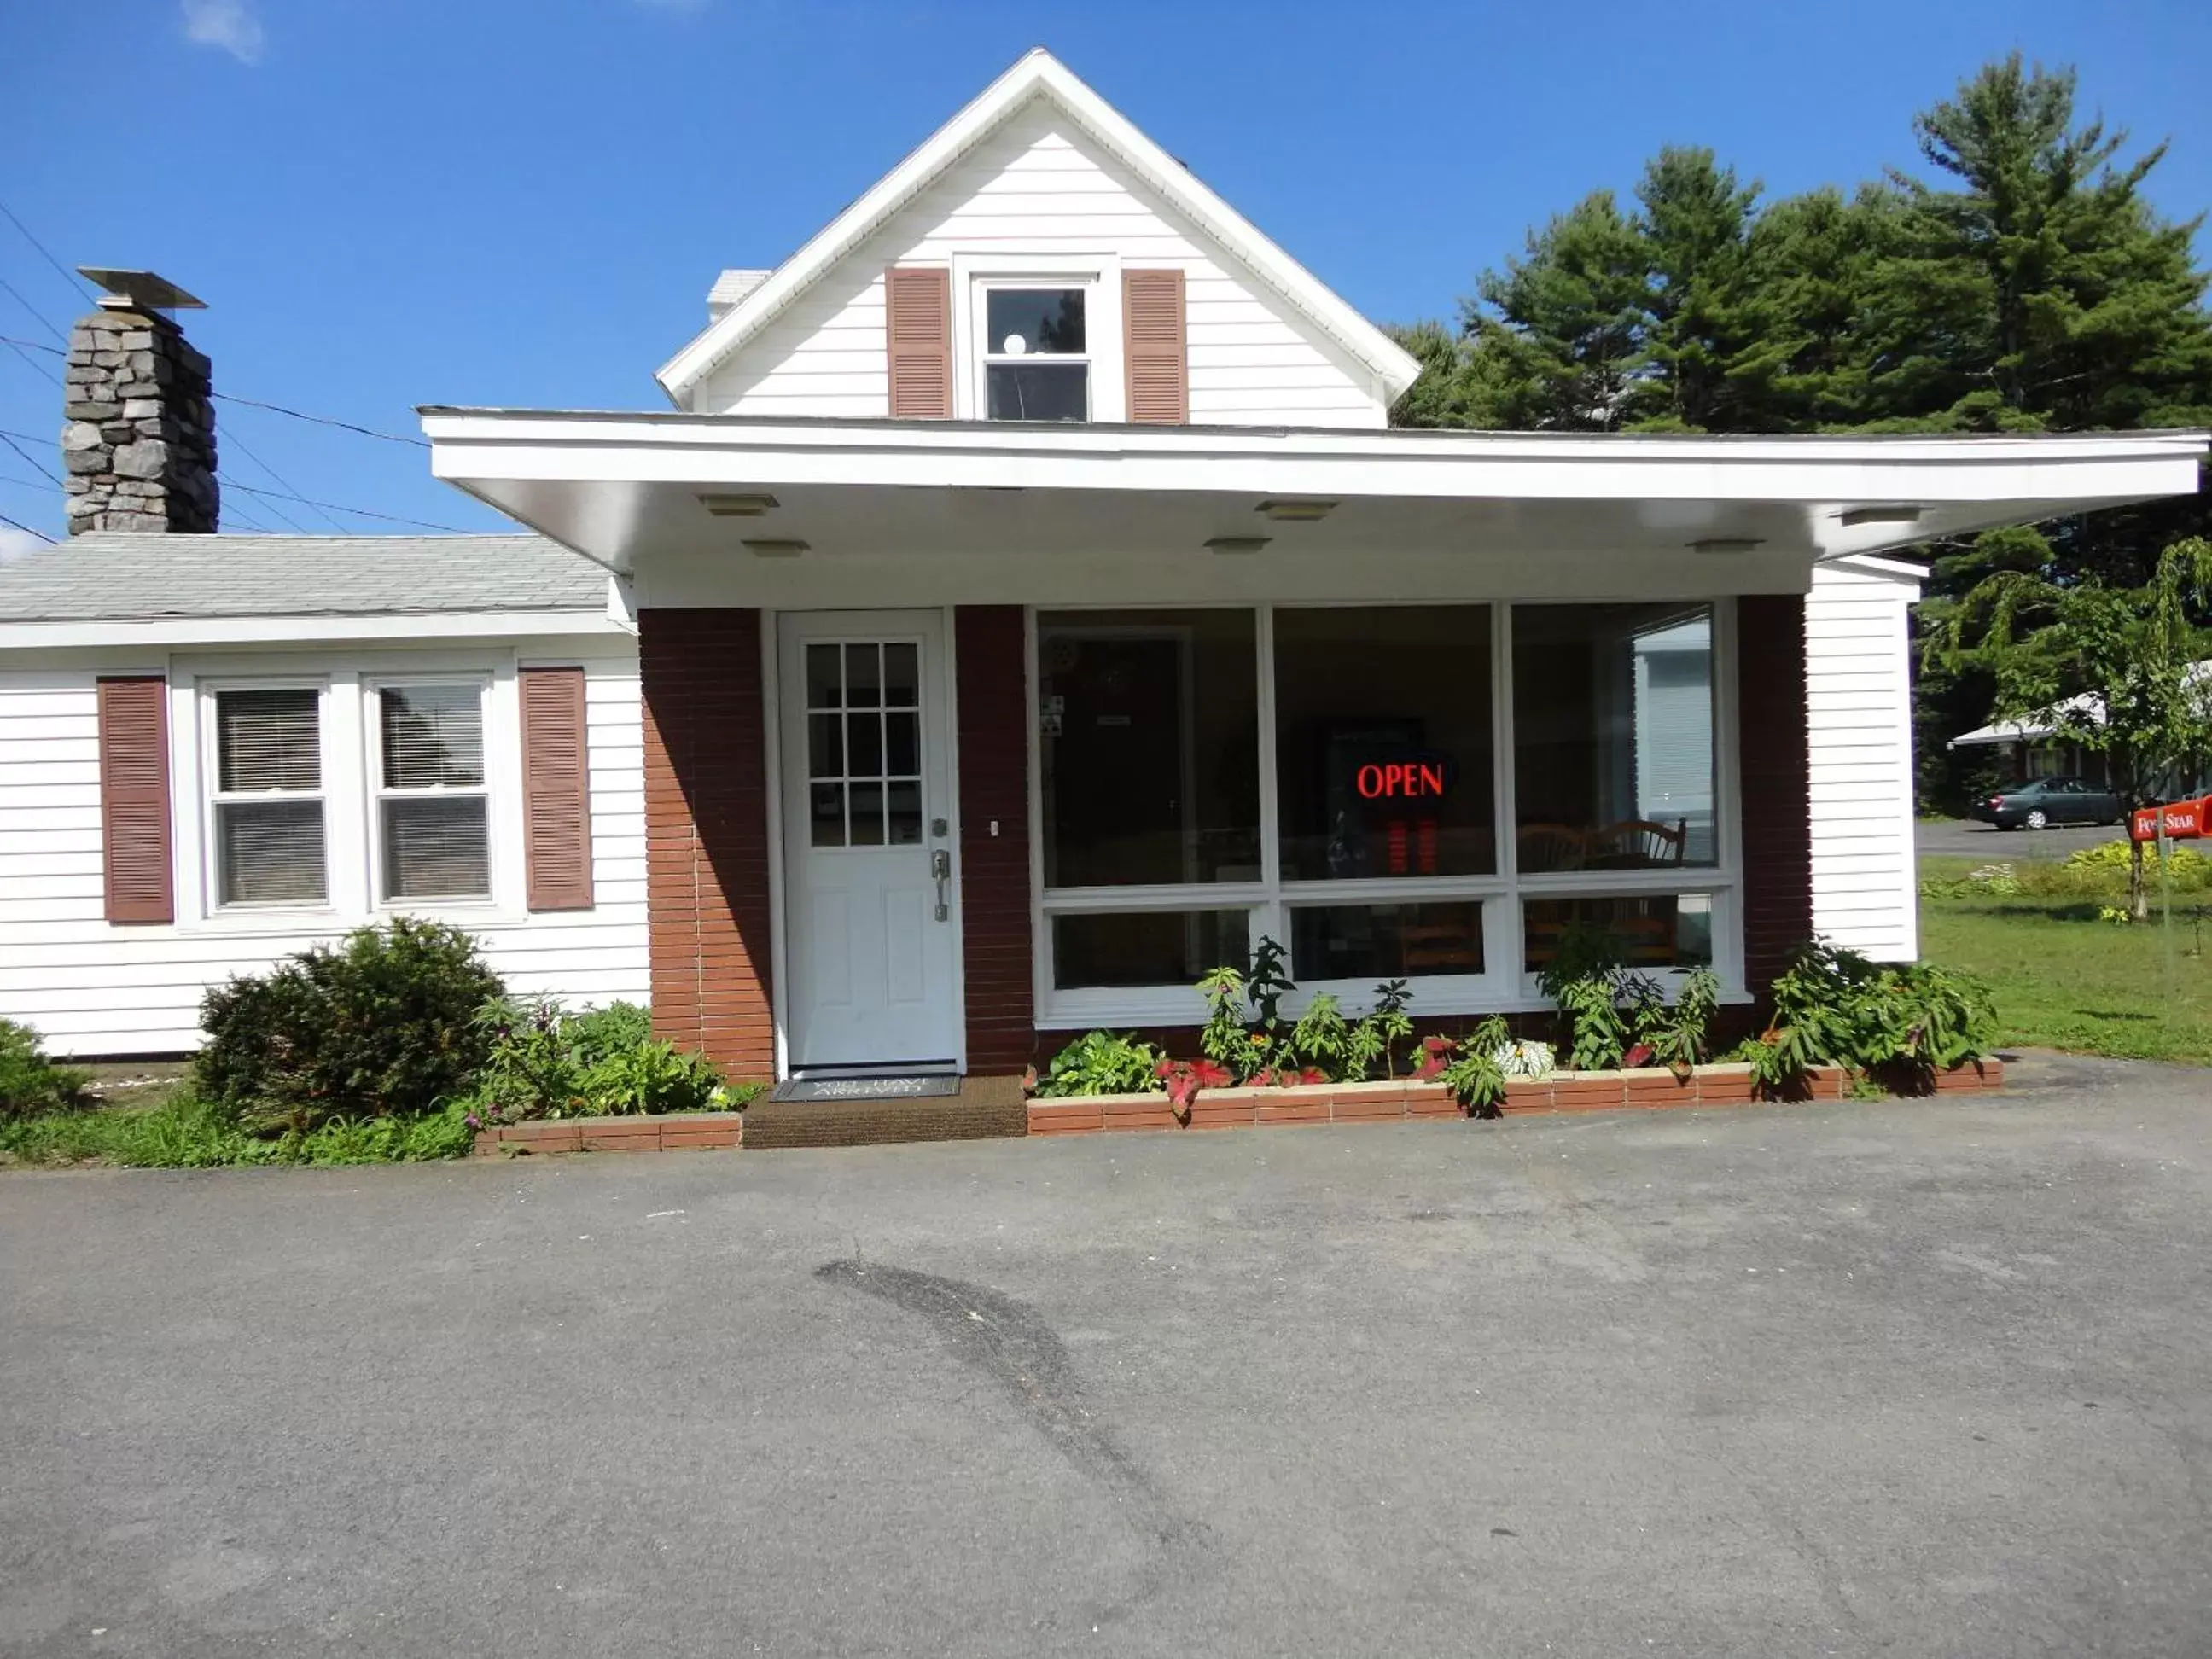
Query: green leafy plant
{"x": 1676, "y": 1034}
{"x": 1378, "y": 1035}
{"x": 1475, "y": 1071}
{"x": 1597, "y": 995}
{"x": 1902, "y": 1024}
{"x": 382, "y": 1023}
{"x": 1321, "y": 1040}
{"x": 30, "y": 1083}
{"x": 1101, "y": 1063}
{"x": 605, "y": 1062}
{"x": 1224, "y": 1039}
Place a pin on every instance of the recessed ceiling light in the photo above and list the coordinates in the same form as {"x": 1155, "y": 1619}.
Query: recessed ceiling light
{"x": 1294, "y": 511}
{"x": 775, "y": 550}
{"x": 1900, "y": 514}
{"x": 1726, "y": 544}
{"x": 738, "y": 507}
{"x": 1236, "y": 544}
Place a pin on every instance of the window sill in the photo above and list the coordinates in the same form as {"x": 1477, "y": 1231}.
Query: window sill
{"x": 1154, "y": 1005}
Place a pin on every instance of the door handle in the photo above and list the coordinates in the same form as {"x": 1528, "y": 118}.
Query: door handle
{"x": 940, "y": 867}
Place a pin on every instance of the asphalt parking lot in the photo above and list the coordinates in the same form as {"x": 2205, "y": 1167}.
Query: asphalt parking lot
{"x": 1969, "y": 838}
{"x": 1909, "y": 1378}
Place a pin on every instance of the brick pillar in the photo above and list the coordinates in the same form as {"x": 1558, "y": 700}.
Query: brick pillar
{"x": 993, "y": 694}
{"x": 1777, "y": 835}
{"x": 706, "y": 835}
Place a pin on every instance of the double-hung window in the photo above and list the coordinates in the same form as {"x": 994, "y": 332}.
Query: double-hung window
{"x": 1442, "y": 793}
{"x": 267, "y": 805}
{"x": 1037, "y": 358}
{"x": 433, "y": 816}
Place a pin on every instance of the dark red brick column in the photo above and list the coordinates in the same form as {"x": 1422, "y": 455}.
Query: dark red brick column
{"x": 1777, "y": 834}
{"x": 992, "y": 691}
{"x": 706, "y": 835}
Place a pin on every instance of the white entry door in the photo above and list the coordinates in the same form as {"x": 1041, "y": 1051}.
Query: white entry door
{"x": 871, "y": 908}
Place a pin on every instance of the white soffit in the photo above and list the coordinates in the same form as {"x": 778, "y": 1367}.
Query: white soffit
{"x": 1039, "y": 74}
{"x": 614, "y": 486}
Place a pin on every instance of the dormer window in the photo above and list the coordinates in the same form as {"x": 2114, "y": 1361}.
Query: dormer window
{"x": 1036, "y": 360}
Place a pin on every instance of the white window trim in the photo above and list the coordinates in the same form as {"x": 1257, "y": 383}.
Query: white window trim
{"x": 375, "y": 792}
{"x": 213, "y": 796}
{"x": 1503, "y": 987}
{"x": 974, "y": 274}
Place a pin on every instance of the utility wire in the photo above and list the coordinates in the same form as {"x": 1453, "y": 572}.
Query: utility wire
{"x": 66, "y": 275}
{"x": 358, "y": 511}
{"x": 31, "y": 362}
{"x": 35, "y": 464}
{"x": 36, "y": 314}
{"x": 26, "y": 529}
{"x": 234, "y": 441}
{"x": 23, "y": 484}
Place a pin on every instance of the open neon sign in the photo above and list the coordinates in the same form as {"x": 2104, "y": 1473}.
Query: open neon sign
{"x": 1415, "y": 777}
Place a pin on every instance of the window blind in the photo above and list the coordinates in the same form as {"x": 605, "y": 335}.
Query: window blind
{"x": 435, "y": 847}
{"x": 433, "y": 736}
{"x": 268, "y": 739}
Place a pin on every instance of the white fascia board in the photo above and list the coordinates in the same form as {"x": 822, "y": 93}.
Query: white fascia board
{"x": 711, "y": 451}
{"x": 126, "y": 632}
{"x": 1040, "y": 74}
{"x": 1903, "y": 572}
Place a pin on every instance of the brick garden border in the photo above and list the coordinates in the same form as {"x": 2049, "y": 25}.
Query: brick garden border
{"x": 1390, "y": 1103}
{"x": 676, "y": 1132}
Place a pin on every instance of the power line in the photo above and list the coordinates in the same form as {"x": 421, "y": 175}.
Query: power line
{"x": 36, "y": 466}
{"x": 358, "y": 511}
{"x": 65, "y": 274}
{"x": 23, "y": 484}
{"x": 37, "y": 315}
{"x": 35, "y": 345}
{"x": 26, "y": 529}
{"x": 236, "y": 442}
{"x": 31, "y": 362}
{"x": 322, "y": 420}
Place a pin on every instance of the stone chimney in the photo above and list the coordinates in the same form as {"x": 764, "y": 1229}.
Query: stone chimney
{"x": 139, "y": 437}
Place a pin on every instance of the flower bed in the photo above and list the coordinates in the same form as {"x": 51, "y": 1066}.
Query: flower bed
{"x": 673, "y": 1132}
{"x": 1388, "y": 1103}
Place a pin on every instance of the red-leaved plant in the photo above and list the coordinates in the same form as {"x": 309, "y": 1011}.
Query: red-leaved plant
{"x": 1185, "y": 1078}
{"x": 1436, "y": 1053}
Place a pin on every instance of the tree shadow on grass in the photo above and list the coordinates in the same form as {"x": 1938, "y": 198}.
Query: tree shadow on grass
{"x": 2090, "y": 911}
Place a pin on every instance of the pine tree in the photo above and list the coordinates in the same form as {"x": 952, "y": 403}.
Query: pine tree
{"x": 1694, "y": 228}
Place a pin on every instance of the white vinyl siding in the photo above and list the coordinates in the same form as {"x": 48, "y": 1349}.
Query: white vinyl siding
{"x": 1858, "y": 700}
{"x": 1039, "y": 187}
{"x": 93, "y": 988}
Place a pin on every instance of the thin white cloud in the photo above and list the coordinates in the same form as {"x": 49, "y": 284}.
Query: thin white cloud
{"x": 17, "y": 544}
{"x": 227, "y": 24}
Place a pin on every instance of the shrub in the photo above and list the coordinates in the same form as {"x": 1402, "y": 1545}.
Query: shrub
{"x": 1676, "y": 1036}
{"x": 385, "y": 1022}
{"x": 190, "y": 1133}
{"x": 29, "y": 1082}
{"x": 1100, "y": 1063}
{"x": 605, "y": 1062}
{"x": 1902, "y": 1024}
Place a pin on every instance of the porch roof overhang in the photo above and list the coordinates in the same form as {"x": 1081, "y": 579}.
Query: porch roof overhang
{"x": 629, "y": 490}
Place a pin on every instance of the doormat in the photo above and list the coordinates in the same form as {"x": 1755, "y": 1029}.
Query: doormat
{"x": 903, "y": 1085}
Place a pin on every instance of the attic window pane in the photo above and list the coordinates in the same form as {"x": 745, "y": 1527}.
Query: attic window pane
{"x": 1039, "y": 391}
{"x": 1024, "y": 322}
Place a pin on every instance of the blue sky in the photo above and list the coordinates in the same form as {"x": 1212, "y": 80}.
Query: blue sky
{"x": 388, "y": 203}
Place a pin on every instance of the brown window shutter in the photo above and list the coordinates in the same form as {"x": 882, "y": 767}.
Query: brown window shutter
{"x": 918, "y": 306}
{"x": 134, "y": 799}
{"x": 1156, "y": 363}
{"x": 556, "y": 814}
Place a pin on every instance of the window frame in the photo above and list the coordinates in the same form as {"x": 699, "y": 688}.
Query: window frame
{"x": 1502, "y": 986}
{"x": 1098, "y": 273}
{"x": 374, "y": 792}
{"x": 214, "y": 797}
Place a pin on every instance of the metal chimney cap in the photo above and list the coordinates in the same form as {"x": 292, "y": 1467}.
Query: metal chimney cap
{"x": 139, "y": 289}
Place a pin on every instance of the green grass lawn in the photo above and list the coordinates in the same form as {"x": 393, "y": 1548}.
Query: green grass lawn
{"x": 2063, "y": 979}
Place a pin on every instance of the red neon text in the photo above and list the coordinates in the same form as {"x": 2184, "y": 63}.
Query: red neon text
{"x": 1399, "y": 781}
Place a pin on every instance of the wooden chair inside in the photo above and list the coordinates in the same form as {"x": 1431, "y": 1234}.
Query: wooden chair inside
{"x": 1640, "y": 843}
{"x": 1445, "y": 947}
{"x": 1553, "y": 846}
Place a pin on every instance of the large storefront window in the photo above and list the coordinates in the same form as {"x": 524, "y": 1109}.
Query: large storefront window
{"x": 1382, "y": 747}
{"x": 1347, "y": 780}
{"x": 1613, "y": 736}
{"x": 1149, "y": 728}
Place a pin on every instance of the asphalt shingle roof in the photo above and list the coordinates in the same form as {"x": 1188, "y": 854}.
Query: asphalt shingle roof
{"x": 109, "y": 576}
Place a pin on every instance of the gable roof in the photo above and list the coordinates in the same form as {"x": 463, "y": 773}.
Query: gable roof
{"x": 1040, "y": 75}
{"x": 119, "y": 576}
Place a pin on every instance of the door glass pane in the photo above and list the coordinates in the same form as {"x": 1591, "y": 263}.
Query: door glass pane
{"x": 1387, "y": 941}
{"x": 864, "y": 743}
{"x": 1149, "y": 746}
{"x": 1160, "y": 947}
{"x": 902, "y": 677}
{"x": 868, "y": 815}
{"x": 902, "y": 745}
{"x": 826, "y": 813}
{"x": 1613, "y": 736}
{"x": 825, "y": 746}
{"x": 1382, "y": 742}
{"x": 269, "y": 852}
{"x": 863, "y": 677}
{"x": 823, "y": 681}
{"x": 1667, "y": 930}
{"x": 903, "y": 807}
